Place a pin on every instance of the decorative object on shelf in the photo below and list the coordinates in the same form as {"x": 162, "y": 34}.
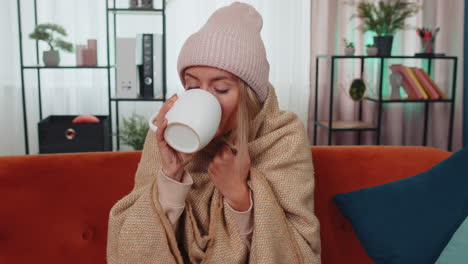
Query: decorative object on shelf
{"x": 410, "y": 83}
{"x": 396, "y": 81}
{"x": 46, "y": 33}
{"x": 384, "y": 18}
{"x": 59, "y": 134}
{"x": 117, "y": 8}
{"x": 417, "y": 83}
{"x": 145, "y": 65}
{"x": 374, "y": 95}
{"x": 149, "y": 65}
{"x": 91, "y": 60}
{"x": 349, "y": 47}
{"x": 79, "y": 54}
{"x": 126, "y": 69}
{"x": 146, "y": 4}
{"x": 86, "y": 119}
{"x": 133, "y": 132}
{"x": 371, "y": 50}
{"x": 357, "y": 89}
{"x": 427, "y": 37}
{"x": 86, "y": 55}
{"x": 133, "y": 4}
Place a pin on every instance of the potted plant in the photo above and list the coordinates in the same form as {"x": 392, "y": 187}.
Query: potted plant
{"x": 47, "y": 33}
{"x": 349, "y": 48}
{"x": 384, "y": 19}
{"x": 133, "y": 132}
{"x": 371, "y": 50}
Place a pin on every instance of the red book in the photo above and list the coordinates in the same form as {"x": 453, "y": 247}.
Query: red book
{"x": 431, "y": 91}
{"x": 408, "y": 82}
{"x": 434, "y": 85}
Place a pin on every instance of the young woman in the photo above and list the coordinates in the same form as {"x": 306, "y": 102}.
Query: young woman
{"x": 248, "y": 195}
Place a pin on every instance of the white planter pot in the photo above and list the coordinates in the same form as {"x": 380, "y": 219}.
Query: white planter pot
{"x": 349, "y": 51}
{"x": 51, "y": 58}
{"x": 372, "y": 51}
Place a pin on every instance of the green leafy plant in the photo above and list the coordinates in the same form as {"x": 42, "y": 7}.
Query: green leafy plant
{"x": 348, "y": 44}
{"x": 133, "y": 131}
{"x": 385, "y": 18}
{"x": 370, "y": 45}
{"x": 48, "y": 33}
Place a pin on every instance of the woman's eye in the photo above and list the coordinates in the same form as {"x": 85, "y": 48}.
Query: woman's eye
{"x": 222, "y": 91}
{"x": 189, "y": 88}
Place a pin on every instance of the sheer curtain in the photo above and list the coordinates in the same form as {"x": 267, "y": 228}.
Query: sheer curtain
{"x": 402, "y": 124}
{"x": 285, "y": 33}
{"x": 11, "y": 137}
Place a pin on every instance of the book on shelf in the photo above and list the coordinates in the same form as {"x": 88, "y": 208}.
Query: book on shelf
{"x": 418, "y": 84}
{"x": 408, "y": 82}
{"x": 433, "y": 85}
{"x": 419, "y": 87}
{"x": 426, "y": 84}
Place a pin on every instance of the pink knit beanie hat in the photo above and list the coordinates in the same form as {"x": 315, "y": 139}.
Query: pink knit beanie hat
{"x": 230, "y": 40}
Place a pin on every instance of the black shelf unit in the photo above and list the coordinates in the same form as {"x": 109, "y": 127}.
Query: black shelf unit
{"x": 135, "y": 10}
{"x": 115, "y": 11}
{"x": 41, "y": 67}
{"x": 38, "y": 67}
{"x": 137, "y": 99}
{"x": 358, "y": 125}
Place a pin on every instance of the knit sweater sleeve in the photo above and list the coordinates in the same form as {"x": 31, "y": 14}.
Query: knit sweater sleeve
{"x": 172, "y": 196}
{"x": 243, "y": 221}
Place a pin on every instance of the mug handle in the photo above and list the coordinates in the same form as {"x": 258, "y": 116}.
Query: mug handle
{"x": 151, "y": 124}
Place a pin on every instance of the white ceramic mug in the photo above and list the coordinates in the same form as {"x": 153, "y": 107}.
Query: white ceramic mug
{"x": 192, "y": 121}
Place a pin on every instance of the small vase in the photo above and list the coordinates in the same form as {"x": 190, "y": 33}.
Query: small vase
{"x": 372, "y": 51}
{"x": 349, "y": 51}
{"x": 51, "y": 58}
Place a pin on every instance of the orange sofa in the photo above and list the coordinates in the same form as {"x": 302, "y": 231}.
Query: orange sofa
{"x": 54, "y": 208}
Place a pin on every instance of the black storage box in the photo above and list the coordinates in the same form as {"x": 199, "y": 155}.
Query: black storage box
{"x": 57, "y": 134}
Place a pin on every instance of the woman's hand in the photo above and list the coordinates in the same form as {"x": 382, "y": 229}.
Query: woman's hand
{"x": 224, "y": 174}
{"x": 173, "y": 162}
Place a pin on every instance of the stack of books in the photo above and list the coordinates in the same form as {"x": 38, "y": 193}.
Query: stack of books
{"x": 418, "y": 84}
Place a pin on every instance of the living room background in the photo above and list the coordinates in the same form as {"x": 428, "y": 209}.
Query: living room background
{"x": 293, "y": 34}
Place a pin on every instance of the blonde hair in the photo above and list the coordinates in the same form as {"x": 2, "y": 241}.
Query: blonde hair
{"x": 247, "y": 109}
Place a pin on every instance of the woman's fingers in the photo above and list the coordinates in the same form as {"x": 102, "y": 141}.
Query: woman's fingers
{"x": 164, "y": 109}
{"x": 186, "y": 158}
{"x": 160, "y": 131}
{"x": 224, "y": 154}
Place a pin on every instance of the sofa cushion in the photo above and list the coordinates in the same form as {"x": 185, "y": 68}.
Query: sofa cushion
{"x": 410, "y": 220}
{"x": 456, "y": 251}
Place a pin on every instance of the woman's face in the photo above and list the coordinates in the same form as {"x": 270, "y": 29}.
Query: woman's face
{"x": 223, "y": 85}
